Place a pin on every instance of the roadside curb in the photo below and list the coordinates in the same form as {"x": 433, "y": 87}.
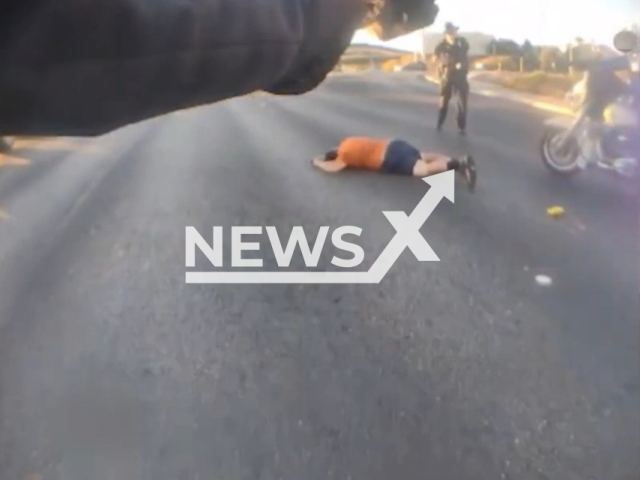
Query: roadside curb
{"x": 549, "y": 107}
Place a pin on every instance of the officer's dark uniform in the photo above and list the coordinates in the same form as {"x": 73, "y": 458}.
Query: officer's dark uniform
{"x": 452, "y": 79}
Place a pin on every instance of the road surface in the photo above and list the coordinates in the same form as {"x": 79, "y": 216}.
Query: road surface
{"x": 111, "y": 367}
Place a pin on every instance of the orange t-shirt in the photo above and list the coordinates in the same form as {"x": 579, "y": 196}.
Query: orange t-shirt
{"x": 362, "y": 152}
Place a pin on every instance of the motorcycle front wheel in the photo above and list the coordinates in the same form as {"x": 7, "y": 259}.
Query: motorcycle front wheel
{"x": 565, "y": 162}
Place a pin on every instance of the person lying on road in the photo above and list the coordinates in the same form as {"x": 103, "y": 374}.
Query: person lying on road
{"x": 395, "y": 157}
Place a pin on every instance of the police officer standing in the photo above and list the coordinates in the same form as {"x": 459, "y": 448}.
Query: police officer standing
{"x": 453, "y": 68}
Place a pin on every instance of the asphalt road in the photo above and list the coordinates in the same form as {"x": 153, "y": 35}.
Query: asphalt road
{"x": 111, "y": 367}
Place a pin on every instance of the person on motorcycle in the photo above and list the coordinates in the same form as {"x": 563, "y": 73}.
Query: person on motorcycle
{"x": 86, "y": 67}
{"x": 603, "y": 87}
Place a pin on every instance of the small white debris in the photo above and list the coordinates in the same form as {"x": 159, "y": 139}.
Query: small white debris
{"x": 543, "y": 280}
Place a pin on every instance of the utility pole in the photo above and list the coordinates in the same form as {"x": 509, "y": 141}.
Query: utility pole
{"x": 419, "y": 48}
{"x": 571, "y": 68}
{"x": 543, "y": 37}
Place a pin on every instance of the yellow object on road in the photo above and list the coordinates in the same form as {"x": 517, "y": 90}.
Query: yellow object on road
{"x": 555, "y": 211}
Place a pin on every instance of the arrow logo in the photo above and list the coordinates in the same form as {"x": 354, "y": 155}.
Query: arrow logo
{"x": 407, "y": 236}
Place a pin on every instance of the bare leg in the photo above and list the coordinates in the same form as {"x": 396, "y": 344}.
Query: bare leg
{"x": 433, "y": 156}
{"x": 434, "y": 163}
{"x": 431, "y": 164}
{"x": 426, "y": 169}
{"x": 330, "y": 166}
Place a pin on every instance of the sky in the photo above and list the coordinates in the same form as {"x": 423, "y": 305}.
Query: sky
{"x": 549, "y": 22}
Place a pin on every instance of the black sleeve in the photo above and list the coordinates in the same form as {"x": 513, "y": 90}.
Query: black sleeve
{"x": 85, "y": 67}
{"x": 465, "y": 46}
{"x": 438, "y": 51}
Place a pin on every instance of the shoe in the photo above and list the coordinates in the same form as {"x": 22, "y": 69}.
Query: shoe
{"x": 607, "y": 164}
{"x": 439, "y": 128}
{"x": 468, "y": 170}
{"x": 462, "y": 131}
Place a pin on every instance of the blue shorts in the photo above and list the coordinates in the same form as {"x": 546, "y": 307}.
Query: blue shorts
{"x": 400, "y": 158}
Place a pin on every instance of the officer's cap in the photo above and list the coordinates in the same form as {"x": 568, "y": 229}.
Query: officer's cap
{"x": 450, "y": 27}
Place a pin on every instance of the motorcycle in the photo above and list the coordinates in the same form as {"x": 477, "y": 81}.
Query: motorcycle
{"x": 570, "y": 145}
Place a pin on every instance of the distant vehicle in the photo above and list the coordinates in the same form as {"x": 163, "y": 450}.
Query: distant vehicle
{"x": 414, "y": 67}
{"x": 6, "y": 143}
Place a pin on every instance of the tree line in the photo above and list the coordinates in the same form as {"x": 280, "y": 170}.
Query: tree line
{"x": 528, "y": 57}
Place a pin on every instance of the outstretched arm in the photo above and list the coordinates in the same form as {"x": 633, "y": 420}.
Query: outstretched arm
{"x": 85, "y": 67}
{"x": 330, "y": 166}
{"x": 75, "y": 67}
